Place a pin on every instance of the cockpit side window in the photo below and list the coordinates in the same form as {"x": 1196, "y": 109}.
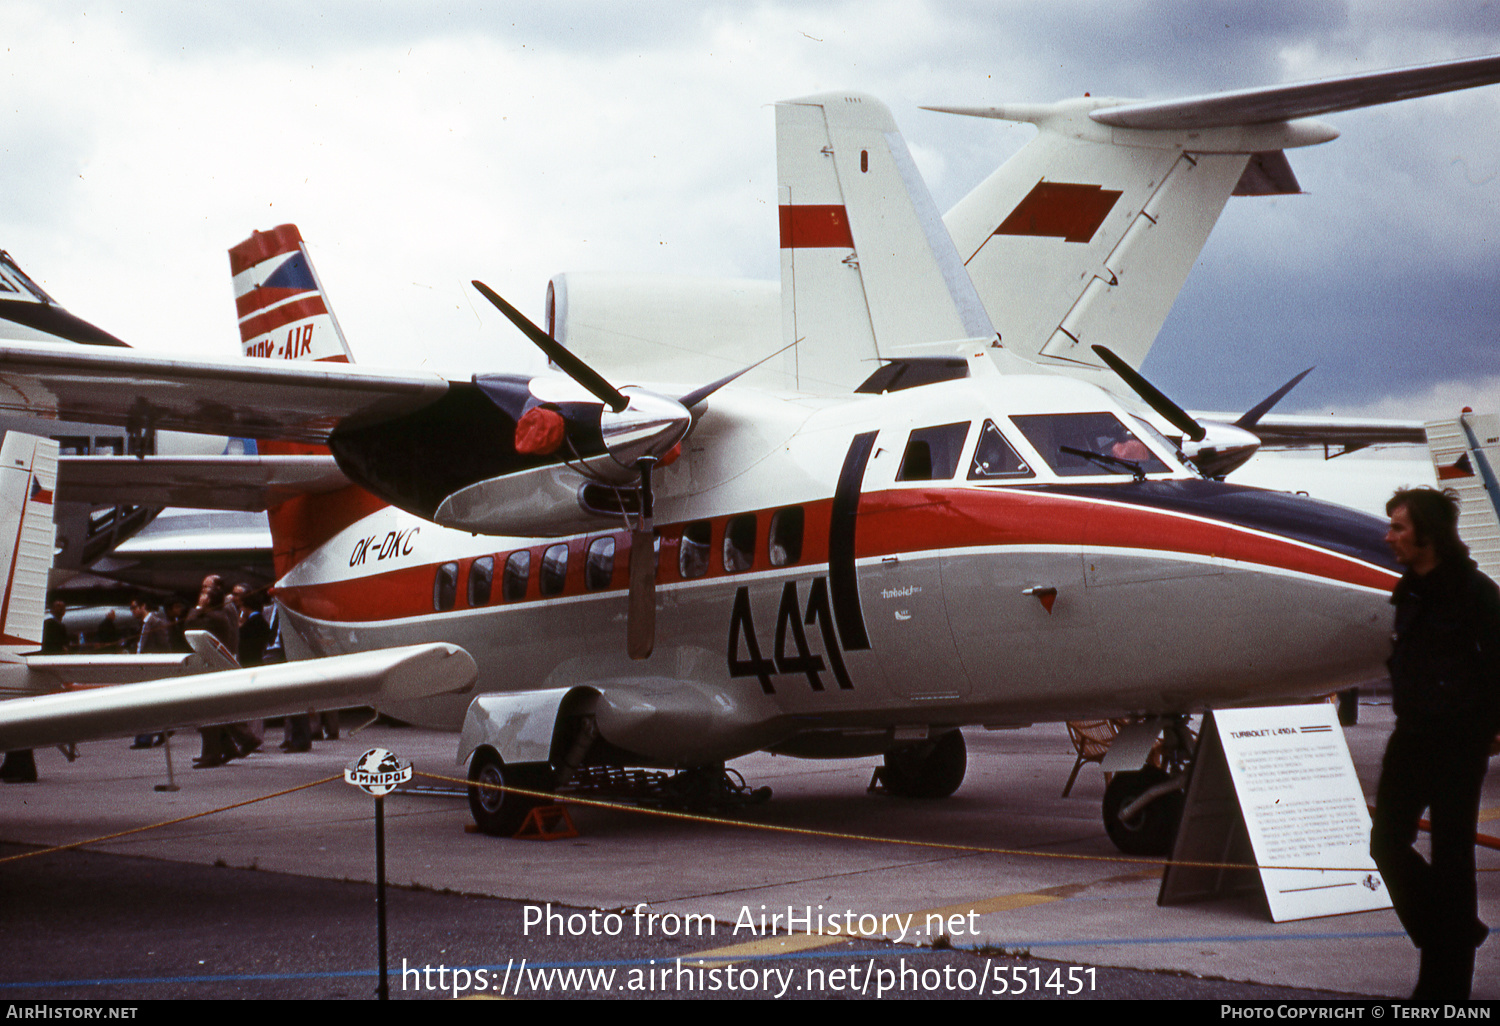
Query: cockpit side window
{"x": 932, "y": 453}
{"x": 1101, "y": 442}
{"x": 994, "y": 457}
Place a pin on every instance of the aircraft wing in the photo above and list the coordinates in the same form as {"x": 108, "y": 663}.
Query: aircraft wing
{"x": 260, "y": 398}
{"x": 245, "y": 483}
{"x": 365, "y": 678}
{"x": 1286, "y": 431}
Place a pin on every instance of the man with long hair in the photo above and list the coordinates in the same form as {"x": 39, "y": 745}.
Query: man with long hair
{"x": 1445, "y": 680}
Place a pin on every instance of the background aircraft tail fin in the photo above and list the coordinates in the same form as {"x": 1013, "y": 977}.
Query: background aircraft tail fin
{"x": 1087, "y": 234}
{"x": 867, "y": 267}
{"x": 28, "y": 479}
{"x": 1466, "y": 455}
{"x": 283, "y": 313}
{"x": 1084, "y": 237}
{"x": 28, "y": 314}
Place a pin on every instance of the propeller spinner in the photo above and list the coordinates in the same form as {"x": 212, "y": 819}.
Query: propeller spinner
{"x": 639, "y": 428}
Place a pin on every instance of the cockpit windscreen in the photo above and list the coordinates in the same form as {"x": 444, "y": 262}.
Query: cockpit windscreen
{"x": 1101, "y": 444}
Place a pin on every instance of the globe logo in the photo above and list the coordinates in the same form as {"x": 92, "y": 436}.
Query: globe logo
{"x": 378, "y": 772}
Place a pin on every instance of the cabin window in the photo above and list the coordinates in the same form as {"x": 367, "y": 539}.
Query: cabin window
{"x": 1114, "y": 448}
{"x": 692, "y": 553}
{"x": 932, "y": 453}
{"x": 445, "y": 587}
{"x": 481, "y": 580}
{"x": 600, "y": 567}
{"x": 786, "y": 536}
{"x": 739, "y": 543}
{"x": 995, "y": 457}
{"x": 555, "y": 569}
{"x": 517, "y": 573}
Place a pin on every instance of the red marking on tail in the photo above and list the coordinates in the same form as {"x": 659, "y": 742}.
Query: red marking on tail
{"x": 815, "y": 227}
{"x": 1073, "y": 212}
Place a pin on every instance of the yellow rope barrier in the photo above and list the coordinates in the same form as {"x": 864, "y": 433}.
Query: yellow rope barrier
{"x": 689, "y": 817}
{"x": 870, "y": 839}
{"x": 167, "y": 823}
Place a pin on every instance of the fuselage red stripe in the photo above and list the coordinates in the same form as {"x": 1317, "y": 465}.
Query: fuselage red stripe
{"x": 891, "y": 522}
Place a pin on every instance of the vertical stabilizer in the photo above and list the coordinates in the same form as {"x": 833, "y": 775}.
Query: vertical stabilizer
{"x": 284, "y": 315}
{"x": 1466, "y": 454}
{"x": 28, "y": 479}
{"x": 282, "y": 311}
{"x": 867, "y": 267}
{"x": 1088, "y": 233}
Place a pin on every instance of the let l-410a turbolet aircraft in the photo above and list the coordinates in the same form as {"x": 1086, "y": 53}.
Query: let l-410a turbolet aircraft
{"x": 834, "y": 575}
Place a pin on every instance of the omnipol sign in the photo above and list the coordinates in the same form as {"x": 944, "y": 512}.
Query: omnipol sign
{"x": 378, "y": 772}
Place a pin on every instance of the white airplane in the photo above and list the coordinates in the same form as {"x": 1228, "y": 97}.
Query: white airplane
{"x": 674, "y": 576}
{"x": 61, "y": 699}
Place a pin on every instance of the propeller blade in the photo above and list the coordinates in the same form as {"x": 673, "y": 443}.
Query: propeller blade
{"x": 571, "y": 365}
{"x": 1260, "y": 409}
{"x": 1155, "y": 398}
{"x": 640, "y": 622}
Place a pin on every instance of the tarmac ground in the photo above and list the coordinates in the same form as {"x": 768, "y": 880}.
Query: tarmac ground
{"x": 274, "y": 898}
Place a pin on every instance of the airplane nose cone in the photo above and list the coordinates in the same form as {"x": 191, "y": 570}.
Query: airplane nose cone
{"x": 1259, "y": 596}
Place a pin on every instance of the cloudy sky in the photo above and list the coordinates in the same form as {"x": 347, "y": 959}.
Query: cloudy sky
{"x": 420, "y": 144}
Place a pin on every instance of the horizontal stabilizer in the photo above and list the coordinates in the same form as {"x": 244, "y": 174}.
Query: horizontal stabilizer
{"x": 366, "y": 678}
{"x": 1303, "y": 99}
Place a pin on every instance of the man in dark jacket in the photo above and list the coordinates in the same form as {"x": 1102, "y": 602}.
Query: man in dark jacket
{"x": 1445, "y": 679}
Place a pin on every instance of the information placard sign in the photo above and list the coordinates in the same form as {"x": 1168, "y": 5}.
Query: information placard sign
{"x": 1302, "y": 807}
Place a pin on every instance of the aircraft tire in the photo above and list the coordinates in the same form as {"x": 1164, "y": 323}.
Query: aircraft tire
{"x": 500, "y": 813}
{"x": 1154, "y": 830}
{"x": 932, "y": 769}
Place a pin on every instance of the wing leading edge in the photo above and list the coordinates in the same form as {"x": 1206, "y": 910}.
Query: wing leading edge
{"x": 365, "y": 678}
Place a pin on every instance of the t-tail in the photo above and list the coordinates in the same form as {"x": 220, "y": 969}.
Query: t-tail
{"x": 28, "y": 479}
{"x": 1087, "y": 234}
{"x": 284, "y": 315}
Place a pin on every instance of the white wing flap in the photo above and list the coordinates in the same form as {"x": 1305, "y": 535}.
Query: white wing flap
{"x": 243, "y": 398}
{"x": 366, "y": 678}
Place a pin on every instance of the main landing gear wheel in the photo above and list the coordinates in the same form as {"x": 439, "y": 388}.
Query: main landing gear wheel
{"x": 500, "y": 813}
{"x": 1154, "y": 828}
{"x": 931, "y": 769}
